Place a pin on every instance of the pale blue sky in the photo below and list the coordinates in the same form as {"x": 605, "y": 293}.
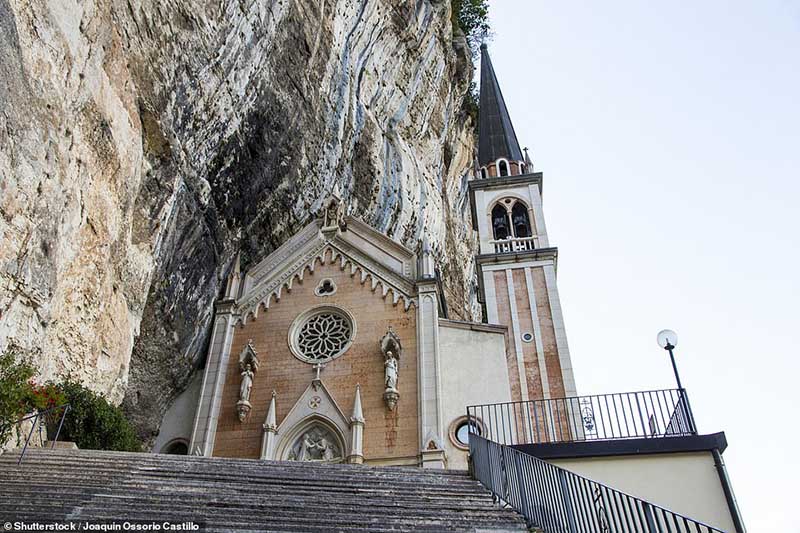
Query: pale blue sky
{"x": 669, "y": 138}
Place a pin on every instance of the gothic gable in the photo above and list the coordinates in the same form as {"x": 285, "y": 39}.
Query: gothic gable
{"x": 367, "y": 255}
{"x": 316, "y": 403}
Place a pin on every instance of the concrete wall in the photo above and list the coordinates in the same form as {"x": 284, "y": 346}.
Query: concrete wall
{"x": 178, "y": 421}
{"x": 686, "y": 483}
{"x": 474, "y": 371}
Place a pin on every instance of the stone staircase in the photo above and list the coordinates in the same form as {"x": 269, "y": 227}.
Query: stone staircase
{"x": 242, "y": 495}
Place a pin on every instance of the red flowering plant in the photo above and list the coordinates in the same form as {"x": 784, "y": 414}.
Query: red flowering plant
{"x": 20, "y": 395}
{"x": 46, "y": 396}
{"x": 15, "y": 390}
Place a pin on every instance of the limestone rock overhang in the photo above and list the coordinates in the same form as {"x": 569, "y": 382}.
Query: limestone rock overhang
{"x": 367, "y": 253}
{"x": 512, "y": 258}
{"x": 534, "y": 178}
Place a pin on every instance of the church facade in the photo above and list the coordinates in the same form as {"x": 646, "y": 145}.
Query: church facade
{"x": 335, "y": 346}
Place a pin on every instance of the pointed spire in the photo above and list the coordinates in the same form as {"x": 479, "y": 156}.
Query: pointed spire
{"x": 234, "y": 278}
{"x": 270, "y": 423}
{"x": 496, "y": 136}
{"x": 358, "y": 413}
{"x": 427, "y": 265}
{"x": 528, "y": 162}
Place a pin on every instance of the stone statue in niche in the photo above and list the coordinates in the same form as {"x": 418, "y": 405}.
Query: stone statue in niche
{"x": 333, "y": 211}
{"x": 326, "y": 449}
{"x": 391, "y": 350}
{"x": 248, "y": 366}
{"x": 391, "y": 371}
{"x": 316, "y": 444}
{"x": 307, "y": 449}
{"x": 247, "y": 383}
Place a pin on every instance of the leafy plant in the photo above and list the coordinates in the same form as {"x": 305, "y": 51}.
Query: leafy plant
{"x": 93, "y": 423}
{"x": 46, "y": 396}
{"x": 472, "y": 17}
{"x": 471, "y": 106}
{"x": 16, "y": 391}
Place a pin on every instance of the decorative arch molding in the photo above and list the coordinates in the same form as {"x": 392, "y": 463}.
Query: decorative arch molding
{"x": 498, "y": 200}
{"x": 329, "y": 254}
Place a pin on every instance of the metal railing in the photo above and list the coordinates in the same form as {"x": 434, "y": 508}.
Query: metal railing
{"x": 36, "y": 424}
{"x": 559, "y": 501}
{"x": 626, "y": 415}
{"x": 514, "y": 244}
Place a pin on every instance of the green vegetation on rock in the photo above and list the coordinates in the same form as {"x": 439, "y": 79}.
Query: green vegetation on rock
{"x": 472, "y": 18}
{"x": 15, "y": 391}
{"x": 93, "y": 423}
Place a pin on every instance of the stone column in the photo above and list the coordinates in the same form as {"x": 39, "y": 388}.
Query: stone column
{"x": 205, "y": 422}
{"x": 429, "y": 382}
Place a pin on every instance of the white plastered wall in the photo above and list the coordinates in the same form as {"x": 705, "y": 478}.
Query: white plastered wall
{"x": 473, "y": 371}
{"x": 178, "y": 420}
{"x": 685, "y": 483}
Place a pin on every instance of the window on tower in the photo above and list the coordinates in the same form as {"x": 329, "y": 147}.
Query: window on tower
{"x": 502, "y": 168}
{"x": 521, "y": 221}
{"x": 500, "y": 225}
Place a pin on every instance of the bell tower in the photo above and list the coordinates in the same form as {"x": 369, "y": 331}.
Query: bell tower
{"x": 516, "y": 264}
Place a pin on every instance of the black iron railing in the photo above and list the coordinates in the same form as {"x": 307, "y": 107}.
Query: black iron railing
{"x": 559, "y": 501}
{"x": 625, "y": 415}
{"x": 51, "y": 412}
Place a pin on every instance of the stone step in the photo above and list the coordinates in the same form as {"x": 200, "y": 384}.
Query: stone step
{"x": 191, "y": 484}
{"x": 283, "y": 526}
{"x": 245, "y": 495}
{"x": 256, "y": 469}
{"x": 139, "y": 458}
{"x": 255, "y": 515}
{"x": 363, "y": 499}
{"x": 338, "y": 516}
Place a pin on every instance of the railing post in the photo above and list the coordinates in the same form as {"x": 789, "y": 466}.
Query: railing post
{"x": 565, "y": 495}
{"x": 60, "y": 424}
{"x": 30, "y": 433}
{"x": 648, "y": 515}
{"x": 688, "y": 410}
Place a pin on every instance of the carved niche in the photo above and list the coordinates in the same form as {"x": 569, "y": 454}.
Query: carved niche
{"x": 333, "y": 212}
{"x": 248, "y": 366}
{"x": 391, "y": 350}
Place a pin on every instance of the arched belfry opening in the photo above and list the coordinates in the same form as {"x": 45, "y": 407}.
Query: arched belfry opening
{"x": 500, "y": 225}
{"x": 521, "y": 220}
{"x": 503, "y": 168}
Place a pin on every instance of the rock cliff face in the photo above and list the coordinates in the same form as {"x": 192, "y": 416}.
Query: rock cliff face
{"x": 142, "y": 144}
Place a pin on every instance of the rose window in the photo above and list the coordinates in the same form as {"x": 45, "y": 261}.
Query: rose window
{"x": 323, "y": 336}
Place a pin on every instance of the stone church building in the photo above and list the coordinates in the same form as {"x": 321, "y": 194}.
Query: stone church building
{"x": 335, "y": 347}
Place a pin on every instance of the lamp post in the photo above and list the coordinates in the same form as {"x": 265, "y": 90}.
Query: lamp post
{"x": 668, "y": 340}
